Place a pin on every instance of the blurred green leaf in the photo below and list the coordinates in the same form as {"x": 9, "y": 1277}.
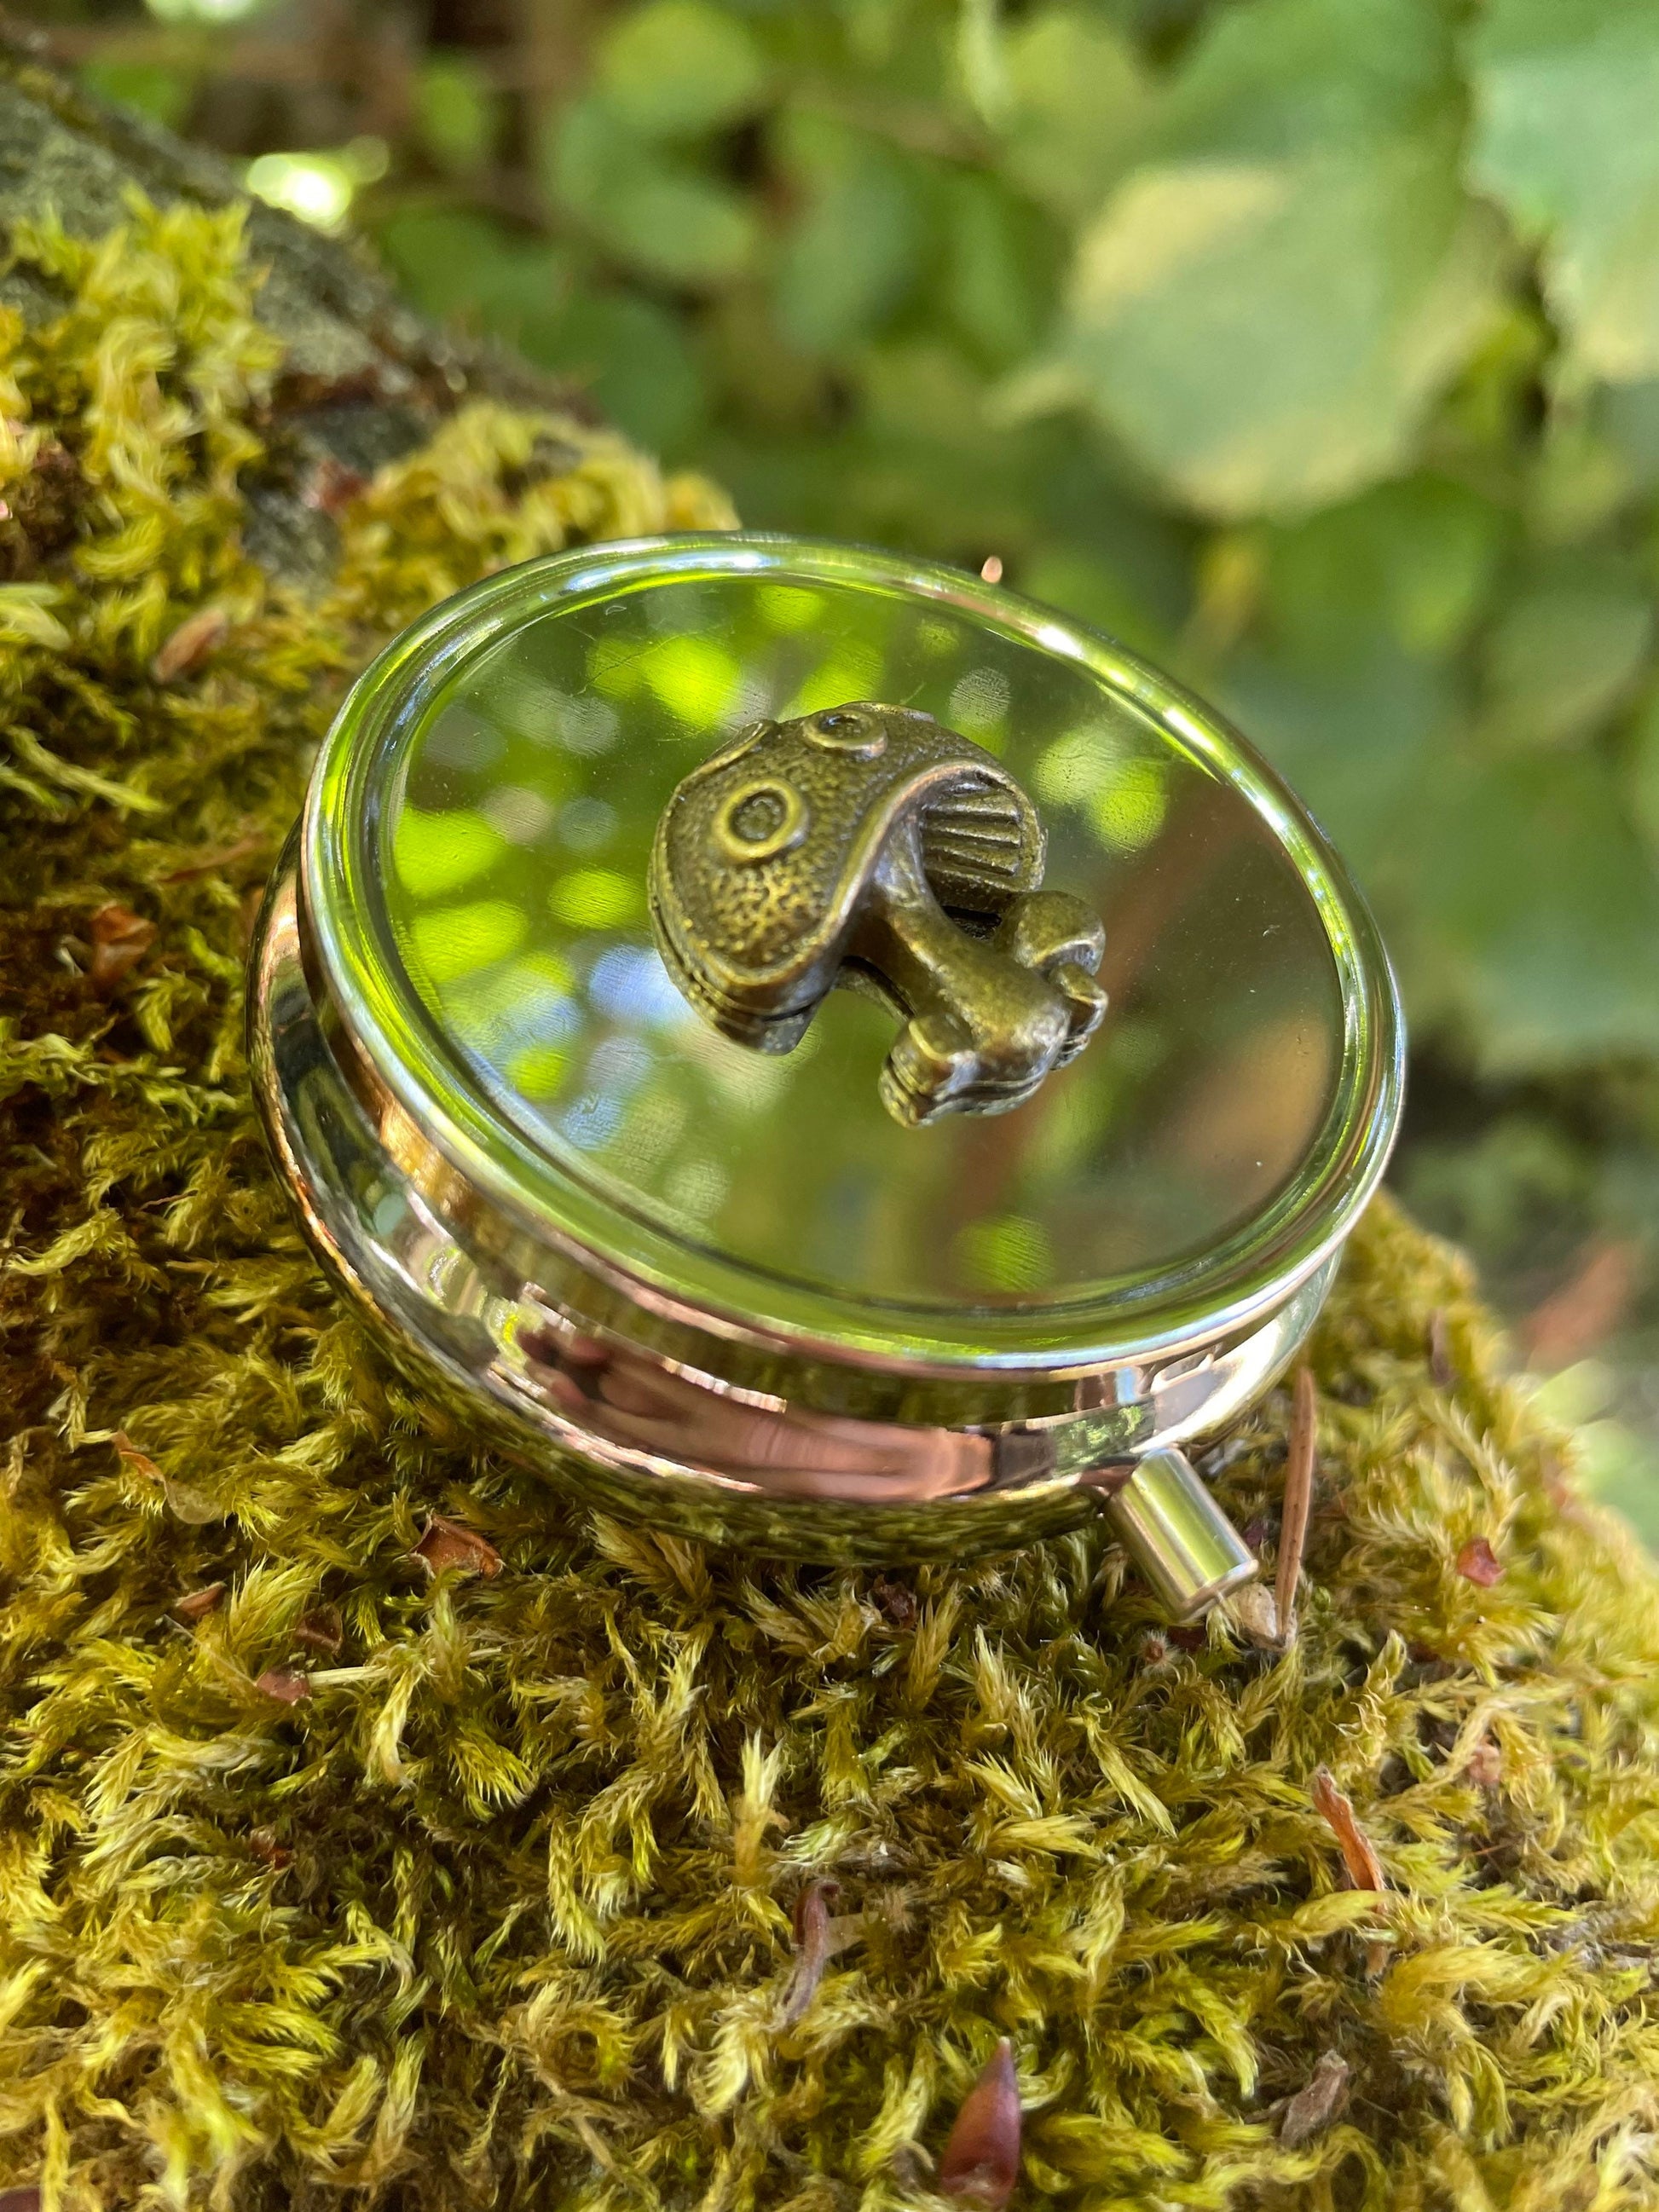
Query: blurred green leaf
{"x": 1277, "y": 78}
{"x": 851, "y": 256}
{"x": 1000, "y": 269}
{"x": 921, "y": 390}
{"x": 1361, "y": 741}
{"x": 982, "y": 59}
{"x": 457, "y": 940}
{"x": 161, "y": 92}
{"x": 655, "y": 209}
{"x": 1310, "y": 185}
{"x": 455, "y": 110}
{"x": 1534, "y": 913}
{"x": 674, "y": 68}
{"x": 1567, "y": 95}
{"x": 435, "y": 854}
{"x": 635, "y": 360}
{"x": 1077, "y": 100}
{"x": 1627, "y": 415}
{"x": 456, "y": 263}
{"x": 1567, "y": 649}
{"x": 1581, "y": 478}
{"x": 1644, "y": 773}
{"x": 632, "y": 355}
{"x": 1409, "y": 562}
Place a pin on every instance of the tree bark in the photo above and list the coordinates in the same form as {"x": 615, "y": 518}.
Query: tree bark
{"x": 366, "y": 378}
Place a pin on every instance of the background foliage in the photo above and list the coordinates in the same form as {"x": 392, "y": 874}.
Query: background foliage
{"x": 1311, "y": 345}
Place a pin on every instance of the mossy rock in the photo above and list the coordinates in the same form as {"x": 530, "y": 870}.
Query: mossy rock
{"x": 371, "y": 1835}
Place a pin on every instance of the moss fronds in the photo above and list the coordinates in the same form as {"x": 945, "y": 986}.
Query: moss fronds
{"x": 346, "y": 1861}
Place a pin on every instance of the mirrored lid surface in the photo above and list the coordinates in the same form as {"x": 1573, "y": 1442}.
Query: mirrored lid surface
{"x": 477, "y": 851}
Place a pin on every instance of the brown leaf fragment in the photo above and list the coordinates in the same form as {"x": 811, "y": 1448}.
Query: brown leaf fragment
{"x": 41, "y": 512}
{"x": 812, "y": 1948}
{"x": 980, "y": 2161}
{"x": 1442, "y": 1373}
{"x": 896, "y": 1600}
{"x": 1485, "y": 1767}
{"x": 1254, "y": 1613}
{"x": 1299, "y": 1472}
{"x": 1316, "y": 2104}
{"x": 285, "y": 1684}
{"x": 452, "y": 1543}
{"x": 141, "y": 1462}
{"x": 264, "y": 1845}
{"x": 334, "y": 484}
{"x": 25, "y": 2197}
{"x": 187, "y": 1503}
{"x": 1365, "y": 1868}
{"x": 321, "y": 1629}
{"x": 190, "y": 645}
{"x": 1478, "y": 1563}
{"x": 120, "y": 940}
{"x": 195, "y": 1605}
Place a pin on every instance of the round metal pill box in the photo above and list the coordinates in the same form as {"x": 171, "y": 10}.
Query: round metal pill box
{"x": 814, "y": 1051}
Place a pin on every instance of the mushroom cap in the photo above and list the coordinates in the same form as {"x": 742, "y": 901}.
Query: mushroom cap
{"x": 763, "y": 853}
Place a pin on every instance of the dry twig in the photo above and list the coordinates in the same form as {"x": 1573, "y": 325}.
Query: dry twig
{"x": 812, "y": 1948}
{"x": 1587, "y": 1309}
{"x": 1365, "y": 1868}
{"x": 189, "y": 645}
{"x": 1299, "y": 1470}
{"x": 211, "y": 863}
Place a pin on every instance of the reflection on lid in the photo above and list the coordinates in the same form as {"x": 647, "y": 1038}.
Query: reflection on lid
{"x": 520, "y": 828}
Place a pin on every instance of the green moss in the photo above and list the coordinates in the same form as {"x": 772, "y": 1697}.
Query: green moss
{"x": 499, "y": 1913}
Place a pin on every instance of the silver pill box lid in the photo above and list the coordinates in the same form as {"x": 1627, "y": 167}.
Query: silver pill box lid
{"x": 472, "y": 874}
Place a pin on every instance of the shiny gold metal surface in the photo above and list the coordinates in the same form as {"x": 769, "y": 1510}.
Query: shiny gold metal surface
{"x": 865, "y": 845}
